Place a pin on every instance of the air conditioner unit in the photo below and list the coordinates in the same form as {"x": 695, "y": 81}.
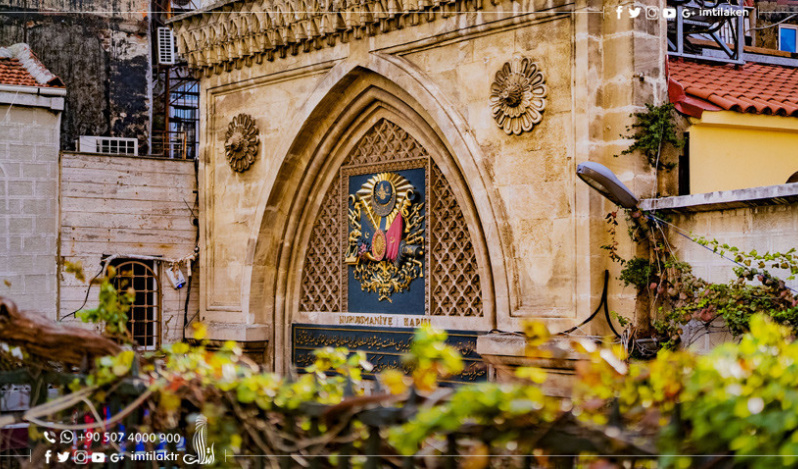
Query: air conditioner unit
{"x": 185, "y": 5}
{"x": 167, "y": 53}
{"x": 109, "y": 145}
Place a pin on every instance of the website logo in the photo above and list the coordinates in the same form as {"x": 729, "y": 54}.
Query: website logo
{"x": 204, "y": 454}
{"x": 80, "y": 457}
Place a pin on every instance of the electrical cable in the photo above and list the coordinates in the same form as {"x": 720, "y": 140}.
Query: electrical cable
{"x": 602, "y": 303}
{"x": 774, "y": 24}
{"x": 88, "y": 290}
{"x": 185, "y": 308}
{"x": 590, "y": 318}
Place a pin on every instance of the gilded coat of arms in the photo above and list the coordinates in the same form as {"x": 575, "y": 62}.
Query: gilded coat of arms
{"x": 386, "y": 235}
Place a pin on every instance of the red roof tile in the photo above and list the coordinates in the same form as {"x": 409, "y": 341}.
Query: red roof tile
{"x": 20, "y": 67}
{"x": 754, "y": 88}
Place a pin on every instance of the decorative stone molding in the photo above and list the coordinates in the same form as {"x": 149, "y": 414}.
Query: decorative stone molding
{"x": 241, "y": 143}
{"x": 518, "y": 96}
{"x": 232, "y": 34}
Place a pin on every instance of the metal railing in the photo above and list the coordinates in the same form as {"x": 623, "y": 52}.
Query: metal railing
{"x": 169, "y": 144}
{"x": 720, "y": 22}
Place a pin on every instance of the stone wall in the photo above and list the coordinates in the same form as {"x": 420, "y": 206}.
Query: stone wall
{"x": 540, "y": 226}
{"x": 128, "y": 206}
{"x": 764, "y": 219}
{"x": 766, "y": 229}
{"x": 101, "y": 50}
{"x": 29, "y": 206}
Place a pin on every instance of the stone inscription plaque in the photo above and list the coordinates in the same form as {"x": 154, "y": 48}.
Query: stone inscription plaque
{"x": 384, "y": 347}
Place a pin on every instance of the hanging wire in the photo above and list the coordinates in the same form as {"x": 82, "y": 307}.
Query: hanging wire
{"x": 590, "y": 318}
{"x": 602, "y": 303}
{"x": 684, "y": 234}
{"x": 105, "y": 262}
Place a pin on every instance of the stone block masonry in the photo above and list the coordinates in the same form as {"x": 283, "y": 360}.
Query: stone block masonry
{"x": 29, "y": 207}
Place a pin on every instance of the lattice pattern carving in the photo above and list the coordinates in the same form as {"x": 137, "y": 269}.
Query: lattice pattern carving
{"x": 454, "y": 276}
{"x": 321, "y": 277}
{"x": 385, "y": 142}
{"x": 456, "y": 289}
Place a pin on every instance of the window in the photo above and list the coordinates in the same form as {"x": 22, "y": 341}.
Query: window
{"x": 116, "y": 146}
{"x": 787, "y": 37}
{"x": 144, "y": 317}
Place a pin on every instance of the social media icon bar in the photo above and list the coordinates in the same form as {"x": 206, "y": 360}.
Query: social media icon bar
{"x": 67, "y": 437}
{"x": 652, "y": 13}
{"x": 80, "y": 457}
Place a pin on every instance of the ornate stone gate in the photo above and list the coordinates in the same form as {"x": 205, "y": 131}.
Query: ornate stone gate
{"x": 444, "y": 256}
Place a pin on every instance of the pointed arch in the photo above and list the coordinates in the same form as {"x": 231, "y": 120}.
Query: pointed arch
{"x": 345, "y": 105}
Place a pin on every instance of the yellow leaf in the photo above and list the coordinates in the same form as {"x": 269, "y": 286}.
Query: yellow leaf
{"x": 200, "y": 330}
{"x": 180, "y": 348}
{"x": 478, "y": 457}
{"x": 536, "y": 375}
{"x": 536, "y": 333}
{"x": 394, "y": 380}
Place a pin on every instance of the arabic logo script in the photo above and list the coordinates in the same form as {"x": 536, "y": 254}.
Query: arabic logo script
{"x": 204, "y": 454}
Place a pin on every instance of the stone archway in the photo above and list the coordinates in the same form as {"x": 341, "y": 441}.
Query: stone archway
{"x": 352, "y": 100}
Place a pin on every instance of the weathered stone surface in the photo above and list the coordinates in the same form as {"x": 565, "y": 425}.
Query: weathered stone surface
{"x": 538, "y": 229}
{"x": 116, "y": 205}
{"x": 100, "y": 50}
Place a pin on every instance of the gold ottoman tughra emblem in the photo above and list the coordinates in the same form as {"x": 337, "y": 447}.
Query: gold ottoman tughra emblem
{"x": 386, "y": 261}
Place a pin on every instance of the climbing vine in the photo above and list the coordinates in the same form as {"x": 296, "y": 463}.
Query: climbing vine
{"x": 683, "y": 300}
{"x": 654, "y": 128}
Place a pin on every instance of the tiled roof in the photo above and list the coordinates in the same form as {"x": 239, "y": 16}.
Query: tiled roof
{"x": 20, "y": 67}
{"x": 753, "y": 88}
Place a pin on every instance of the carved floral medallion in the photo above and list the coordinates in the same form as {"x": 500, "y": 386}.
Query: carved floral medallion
{"x": 241, "y": 143}
{"x": 518, "y": 96}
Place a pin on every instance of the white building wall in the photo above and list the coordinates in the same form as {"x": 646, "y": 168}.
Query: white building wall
{"x": 128, "y": 205}
{"x": 29, "y": 139}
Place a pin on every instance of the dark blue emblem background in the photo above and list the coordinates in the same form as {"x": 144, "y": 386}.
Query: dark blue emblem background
{"x": 410, "y": 301}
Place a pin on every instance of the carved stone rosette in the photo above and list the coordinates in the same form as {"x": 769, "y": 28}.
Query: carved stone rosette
{"x": 518, "y": 96}
{"x": 241, "y": 143}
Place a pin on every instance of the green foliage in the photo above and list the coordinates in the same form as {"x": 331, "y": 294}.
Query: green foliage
{"x": 430, "y": 358}
{"x": 623, "y": 321}
{"x": 736, "y": 402}
{"x": 110, "y": 369}
{"x": 638, "y": 272}
{"x": 739, "y": 400}
{"x": 653, "y": 128}
{"x": 112, "y": 309}
{"x": 506, "y": 408}
{"x": 681, "y": 298}
{"x": 612, "y": 247}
